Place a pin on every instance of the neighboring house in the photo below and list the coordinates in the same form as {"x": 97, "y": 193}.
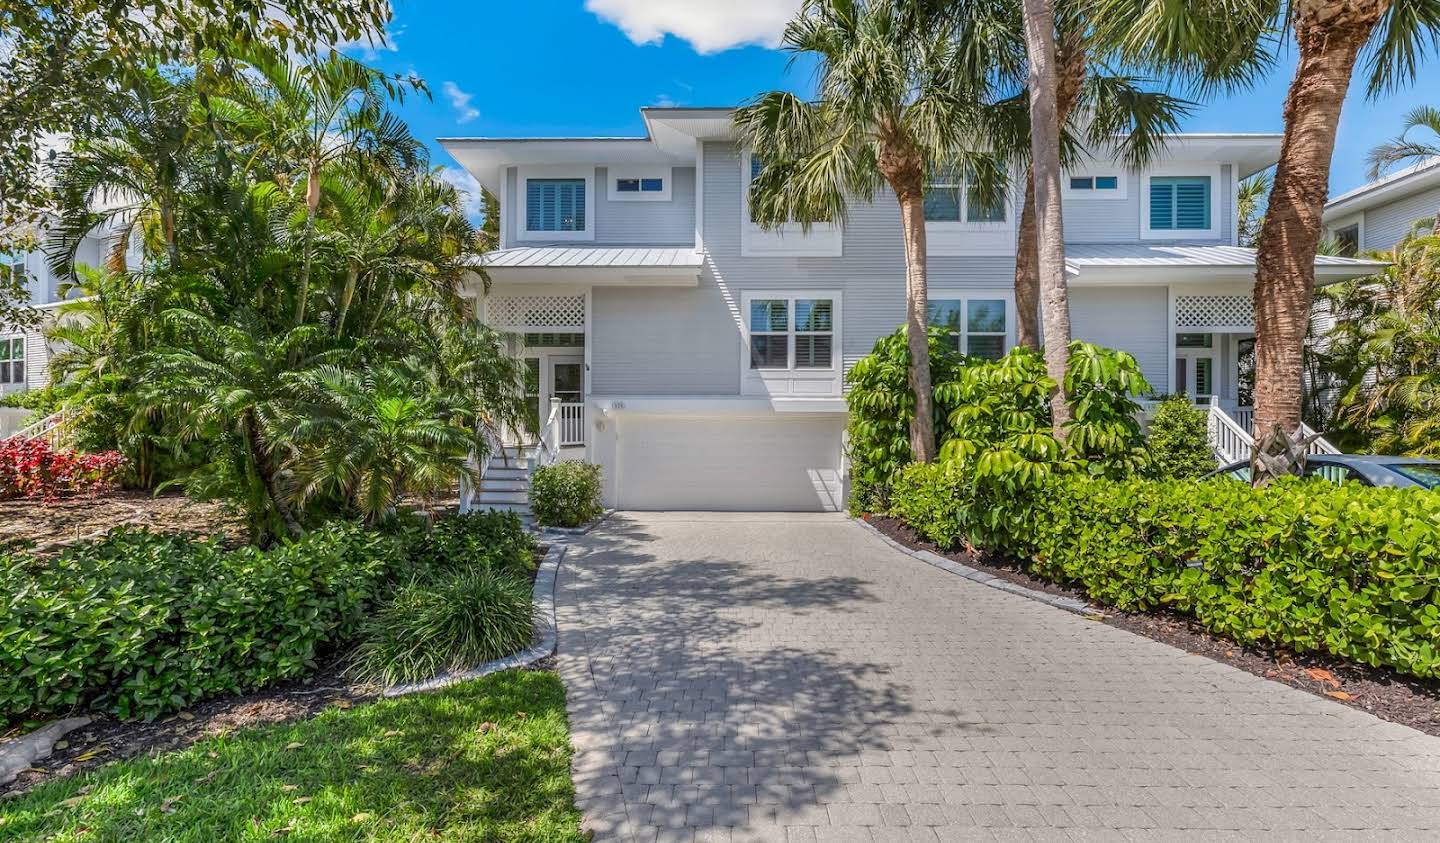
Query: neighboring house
{"x": 24, "y": 352}
{"x": 700, "y": 359}
{"x": 1376, "y": 216}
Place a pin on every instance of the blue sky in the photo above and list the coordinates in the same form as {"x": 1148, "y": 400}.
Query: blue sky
{"x": 585, "y": 67}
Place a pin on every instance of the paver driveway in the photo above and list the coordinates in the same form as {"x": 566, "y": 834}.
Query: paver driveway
{"x": 790, "y": 677}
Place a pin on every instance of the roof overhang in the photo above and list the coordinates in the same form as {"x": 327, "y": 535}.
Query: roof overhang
{"x": 614, "y": 266}
{"x": 1151, "y": 264}
{"x": 483, "y": 157}
{"x": 1414, "y": 179}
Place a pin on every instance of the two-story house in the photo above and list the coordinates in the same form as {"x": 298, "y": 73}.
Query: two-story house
{"x": 700, "y": 359}
{"x": 1376, "y": 216}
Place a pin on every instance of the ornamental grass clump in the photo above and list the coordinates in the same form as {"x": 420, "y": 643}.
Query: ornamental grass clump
{"x": 454, "y": 622}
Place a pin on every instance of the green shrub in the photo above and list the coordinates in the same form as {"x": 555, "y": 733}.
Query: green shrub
{"x": 1351, "y": 570}
{"x": 882, "y": 405}
{"x": 566, "y": 494}
{"x": 1179, "y": 441}
{"x": 491, "y": 539}
{"x": 452, "y": 622}
{"x": 139, "y": 624}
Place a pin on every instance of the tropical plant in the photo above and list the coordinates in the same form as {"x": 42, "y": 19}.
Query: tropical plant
{"x": 566, "y": 494}
{"x": 1250, "y": 208}
{"x": 1221, "y": 42}
{"x": 896, "y": 101}
{"x": 1104, "y": 433}
{"x": 1403, "y": 149}
{"x": 1178, "y": 441}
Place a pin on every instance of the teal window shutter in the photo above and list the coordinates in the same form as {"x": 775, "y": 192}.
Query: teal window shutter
{"x": 555, "y": 205}
{"x": 1180, "y": 204}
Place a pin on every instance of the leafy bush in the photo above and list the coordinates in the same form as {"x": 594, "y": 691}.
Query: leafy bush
{"x": 566, "y": 494}
{"x": 32, "y": 468}
{"x": 491, "y": 539}
{"x": 1179, "y": 441}
{"x": 1348, "y": 569}
{"x": 139, "y": 624}
{"x": 882, "y": 406}
{"x": 452, "y": 622}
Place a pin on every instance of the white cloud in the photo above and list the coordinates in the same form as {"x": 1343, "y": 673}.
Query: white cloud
{"x": 460, "y": 100}
{"x": 709, "y": 25}
{"x": 370, "y": 45}
{"x": 469, "y": 189}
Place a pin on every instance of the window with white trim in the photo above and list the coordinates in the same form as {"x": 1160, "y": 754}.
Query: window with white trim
{"x": 1348, "y": 239}
{"x": 12, "y": 360}
{"x": 1098, "y": 184}
{"x": 640, "y": 184}
{"x": 951, "y": 197}
{"x": 978, "y": 326}
{"x": 793, "y": 333}
{"x": 554, "y": 204}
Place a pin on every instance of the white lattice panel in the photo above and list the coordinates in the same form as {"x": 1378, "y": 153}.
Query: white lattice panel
{"x": 535, "y": 312}
{"x": 1215, "y": 312}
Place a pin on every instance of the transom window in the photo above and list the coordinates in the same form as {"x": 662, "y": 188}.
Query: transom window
{"x": 1194, "y": 340}
{"x": 640, "y": 185}
{"x": 555, "y": 204}
{"x": 12, "y": 360}
{"x": 951, "y": 197}
{"x": 1099, "y": 183}
{"x": 1180, "y": 203}
{"x": 792, "y": 333}
{"x": 978, "y": 326}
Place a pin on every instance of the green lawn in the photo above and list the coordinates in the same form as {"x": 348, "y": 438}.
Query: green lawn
{"x": 485, "y": 760}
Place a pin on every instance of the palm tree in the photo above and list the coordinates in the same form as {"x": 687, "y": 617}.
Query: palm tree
{"x": 1228, "y": 42}
{"x": 1250, "y": 207}
{"x": 330, "y": 113}
{"x": 1402, "y": 149}
{"x": 894, "y": 104}
{"x": 1043, "y": 84}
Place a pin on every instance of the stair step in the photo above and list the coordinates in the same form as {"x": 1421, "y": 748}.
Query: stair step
{"x": 501, "y": 484}
{"x": 489, "y": 496}
{"x": 507, "y": 472}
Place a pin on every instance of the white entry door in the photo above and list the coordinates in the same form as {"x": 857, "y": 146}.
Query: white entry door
{"x": 1195, "y": 374}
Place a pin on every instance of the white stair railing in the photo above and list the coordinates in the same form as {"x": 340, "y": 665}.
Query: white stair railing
{"x": 548, "y": 451}
{"x": 49, "y": 428}
{"x": 572, "y": 424}
{"x": 1228, "y": 439}
{"x": 480, "y": 467}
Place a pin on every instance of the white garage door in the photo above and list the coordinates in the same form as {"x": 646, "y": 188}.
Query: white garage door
{"x": 730, "y": 463}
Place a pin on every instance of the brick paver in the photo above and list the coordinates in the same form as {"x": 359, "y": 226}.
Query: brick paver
{"x": 792, "y": 678}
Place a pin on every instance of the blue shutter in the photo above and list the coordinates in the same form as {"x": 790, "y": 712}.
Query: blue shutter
{"x": 1162, "y": 205}
{"x": 555, "y": 205}
{"x": 1180, "y": 204}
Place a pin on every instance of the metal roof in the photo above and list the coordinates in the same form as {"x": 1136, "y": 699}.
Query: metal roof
{"x": 623, "y": 257}
{"x": 1412, "y": 179}
{"x": 1078, "y": 257}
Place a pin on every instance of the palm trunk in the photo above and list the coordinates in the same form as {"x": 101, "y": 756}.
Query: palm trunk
{"x": 312, "y": 204}
{"x": 1330, "y": 36}
{"x": 1072, "y": 61}
{"x": 352, "y": 277}
{"x": 260, "y": 455}
{"x": 1027, "y": 271}
{"x": 1050, "y": 229}
{"x": 917, "y": 323}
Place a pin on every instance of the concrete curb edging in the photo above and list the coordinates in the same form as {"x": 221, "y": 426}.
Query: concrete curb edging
{"x": 575, "y": 531}
{"x": 542, "y": 646}
{"x": 1069, "y": 604}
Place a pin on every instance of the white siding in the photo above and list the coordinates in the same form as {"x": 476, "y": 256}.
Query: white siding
{"x": 669, "y": 223}
{"x": 1118, "y": 220}
{"x": 1132, "y": 319}
{"x": 1385, "y": 225}
{"x": 663, "y": 341}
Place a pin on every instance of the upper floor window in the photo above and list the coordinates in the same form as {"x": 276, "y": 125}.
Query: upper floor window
{"x": 555, "y": 205}
{"x": 640, "y": 184}
{"x": 792, "y": 333}
{"x": 979, "y": 327}
{"x": 12, "y": 360}
{"x": 951, "y": 197}
{"x": 1348, "y": 239}
{"x": 12, "y": 267}
{"x": 1180, "y": 203}
{"x": 1100, "y": 184}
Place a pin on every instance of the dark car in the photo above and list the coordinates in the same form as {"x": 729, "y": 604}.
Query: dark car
{"x": 1397, "y": 472}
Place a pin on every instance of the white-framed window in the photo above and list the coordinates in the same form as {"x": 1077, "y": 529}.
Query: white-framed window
{"x": 1098, "y": 184}
{"x": 12, "y": 360}
{"x": 648, "y": 184}
{"x": 1181, "y": 203}
{"x": 12, "y": 266}
{"x": 791, "y": 343}
{"x": 980, "y": 324}
{"x": 556, "y": 203}
{"x": 1348, "y": 238}
{"x": 950, "y": 198}
{"x": 823, "y": 239}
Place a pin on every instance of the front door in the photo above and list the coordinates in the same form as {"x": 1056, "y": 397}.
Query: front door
{"x": 1195, "y": 374}
{"x": 567, "y": 379}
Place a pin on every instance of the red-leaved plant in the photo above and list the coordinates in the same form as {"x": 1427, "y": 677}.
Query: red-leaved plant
{"x": 32, "y": 468}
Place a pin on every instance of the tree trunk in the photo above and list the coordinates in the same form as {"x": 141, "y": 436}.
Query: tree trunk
{"x": 1050, "y": 230}
{"x": 1330, "y": 35}
{"x": 1072, "y": 62}
{"x": 1027, "y": 271}
{"x": 312, "y": 204}
{"x": 904, "y": 169}
{"x": 268, "y": 475}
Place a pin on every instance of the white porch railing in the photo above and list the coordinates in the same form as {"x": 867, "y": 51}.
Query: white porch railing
{"x": 50, "y": 428}
{"x": 548, "y": 450}
{"x": 572, "y": 424}
{"x": 1231, "y": 438}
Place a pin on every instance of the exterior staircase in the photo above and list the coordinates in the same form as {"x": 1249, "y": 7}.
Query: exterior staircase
{"x": 505, "y": 482}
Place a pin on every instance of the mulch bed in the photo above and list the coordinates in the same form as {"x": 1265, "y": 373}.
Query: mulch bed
{"x": 49, "y": 527}
{"x": 108, "y": 739}
{"x": 1379, "y": 691}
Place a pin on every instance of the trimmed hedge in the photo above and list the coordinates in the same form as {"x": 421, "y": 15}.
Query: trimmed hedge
{"x": 566, "y": 494}
{"x": 1306, "y": 565}
{"x": 139, "y": 624}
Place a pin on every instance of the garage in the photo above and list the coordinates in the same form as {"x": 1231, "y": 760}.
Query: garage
{"x": 725, "y": 462}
